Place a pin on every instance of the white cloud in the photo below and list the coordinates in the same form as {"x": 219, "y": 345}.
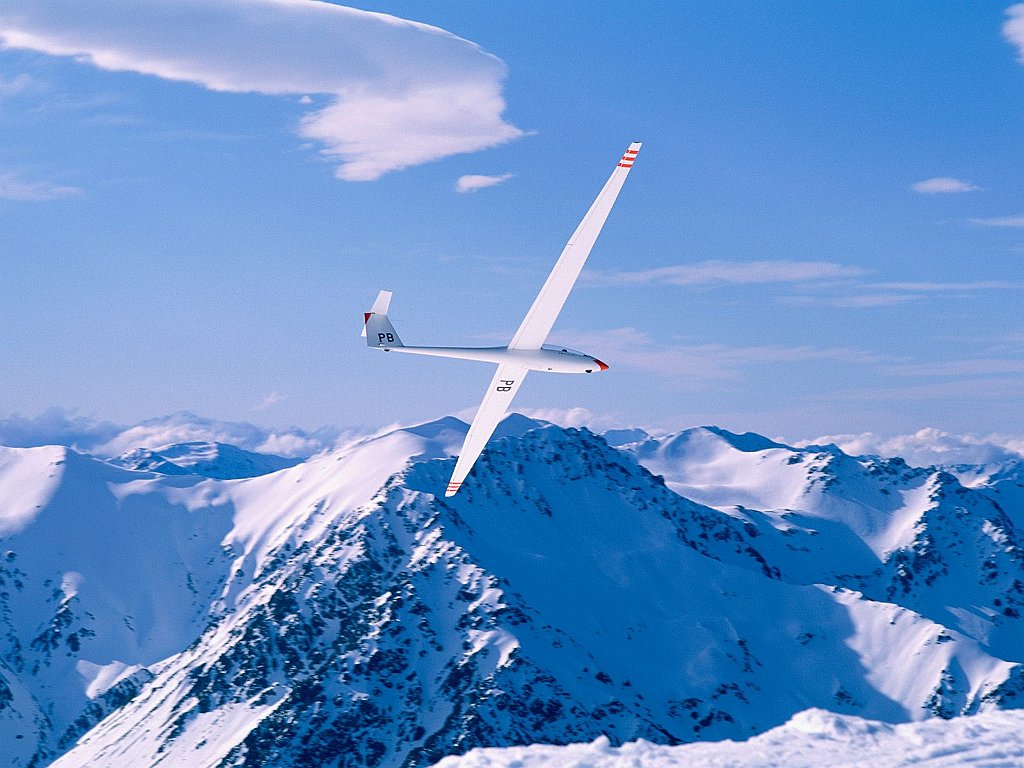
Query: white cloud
{"x": 399, "y": 93}
{"x": 943, "y": 185}
{"x": 57, "y": 427}
{"x": 701, "y": 364}
{"x": 13, "y": 187}
{"x": 471, "y": 183}
{"x": 928, "y": 447}
{"x": 855, "y": 301}
{"x": 573, "y": 417}
{"x": 269, "y": 401}
{"x": 723, "y": 272}
{"x": 952, "y": 368}
{"x": 187, "y": 427}
{"x": 1000, "y": 221}
{"x": 872, "y": 295}
{"x": 930, "y": 287}
{"x": 19, "y": 84}
{"x": 1013, "y": 28}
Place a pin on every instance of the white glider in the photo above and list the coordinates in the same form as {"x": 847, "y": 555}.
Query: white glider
{"x": 527, "y": 350}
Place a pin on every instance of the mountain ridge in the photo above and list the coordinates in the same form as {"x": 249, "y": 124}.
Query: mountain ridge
{"x": 552, "y": 599}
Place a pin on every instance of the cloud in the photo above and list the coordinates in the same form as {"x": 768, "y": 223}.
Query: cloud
{"x": 397, "y": 93}
{"x": 871, "y": 295}
{"x": 928, "y": 447}
{"x": 17, "y": 85}
{"x": 725, "y": 272}
{"x": 269, "y": 401}
{"x": 943, "y": 185}
{"x": 1013, "y": 28}
{"x": 703, "y": 364}
{"x": 932, "y": 287}
{"x": 954, "y": 368}
{"x": 857, "y": 301}
{"x": 1000, "y": 221}
{"x": 471, "y": 183}
{"x": 574, "y": 417}
{"x": 55, "y": 427}
{"x": 104, "y": 438}
{"x": 187, "y": 427}
{"x": 13, "y": 187}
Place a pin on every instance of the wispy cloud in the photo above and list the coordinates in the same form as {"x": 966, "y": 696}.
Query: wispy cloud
{"x": 1013, "y": 28}
{"x": 854, "y": 301}
{"x": 701, "y": 364}
{"x": 728, "y": 272}
{"x": 104, "y": 438}
{"x": 14, "y": 187}
{"x": 935, "y": 287}
{"x": 928, "y": 446}
{"x": 269, "y": 401}
{"x": 1000, "y": 221}
{"x": 472, "y": 182}
{"x": 942, "y": 185}
{"x": 17, "y": 85}
{"x": 959, "y": 368}
{"x": 573, "y": 417}
{"x": 397, "y": 93}
{"x": 864, "y": 295}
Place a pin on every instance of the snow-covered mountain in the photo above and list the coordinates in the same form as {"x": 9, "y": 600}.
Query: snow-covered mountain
{"x": 208, "y": 459}
{"x": 701, "y": 586}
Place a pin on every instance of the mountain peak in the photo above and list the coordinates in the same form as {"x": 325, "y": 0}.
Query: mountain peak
{"x": 748, "y": 442}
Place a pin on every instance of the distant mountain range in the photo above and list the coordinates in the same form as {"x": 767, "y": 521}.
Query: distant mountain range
{"x": 199, "y": 604}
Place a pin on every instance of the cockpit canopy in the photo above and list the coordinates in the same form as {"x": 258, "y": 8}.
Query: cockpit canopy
{"x": 566, "y": 350}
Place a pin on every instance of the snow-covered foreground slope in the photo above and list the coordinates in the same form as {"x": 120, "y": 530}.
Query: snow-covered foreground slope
{"x": 811, "y": 739}
{"x": 343, "y": 612}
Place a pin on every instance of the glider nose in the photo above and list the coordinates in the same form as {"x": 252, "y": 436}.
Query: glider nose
{"x": 601, "y": 366}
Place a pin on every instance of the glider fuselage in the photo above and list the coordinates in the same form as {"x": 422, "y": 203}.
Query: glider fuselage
{"x": 547, "y": 359}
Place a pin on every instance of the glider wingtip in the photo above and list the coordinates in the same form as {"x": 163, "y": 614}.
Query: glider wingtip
{"x": 453, "y": 488}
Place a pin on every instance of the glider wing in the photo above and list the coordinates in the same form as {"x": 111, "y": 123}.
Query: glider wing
{"x": 542, "y": 315}
{"x": 502, "y": 389}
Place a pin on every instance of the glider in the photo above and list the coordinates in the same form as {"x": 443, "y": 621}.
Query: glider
{"x": 527, "y": 350}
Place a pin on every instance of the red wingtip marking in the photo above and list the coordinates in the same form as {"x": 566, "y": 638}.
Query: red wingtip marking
{"x": 602, "y": 366}
{"x": 366, "y": 317}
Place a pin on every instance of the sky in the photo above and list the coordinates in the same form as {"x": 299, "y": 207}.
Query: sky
{"x": 822, "y": 235}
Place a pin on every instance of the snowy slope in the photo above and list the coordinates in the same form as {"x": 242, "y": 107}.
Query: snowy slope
{"x": 914, "y": 536}
{"x": 811, "y": 739}
{"x": 339, "y": 610}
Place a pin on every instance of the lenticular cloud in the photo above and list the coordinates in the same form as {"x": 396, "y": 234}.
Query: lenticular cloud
{"x": 395, "y": 93}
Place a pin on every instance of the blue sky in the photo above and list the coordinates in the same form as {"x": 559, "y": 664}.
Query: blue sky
{"x": 203, "y": 232}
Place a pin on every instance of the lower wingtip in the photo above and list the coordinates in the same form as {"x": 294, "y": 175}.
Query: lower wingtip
{"x": 453, "y": 488}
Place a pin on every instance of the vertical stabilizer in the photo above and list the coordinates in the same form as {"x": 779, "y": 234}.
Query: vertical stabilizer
{"x": 377, "y": 329}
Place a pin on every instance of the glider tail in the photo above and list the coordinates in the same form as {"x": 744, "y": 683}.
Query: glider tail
{"x": 377, "y": 329}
